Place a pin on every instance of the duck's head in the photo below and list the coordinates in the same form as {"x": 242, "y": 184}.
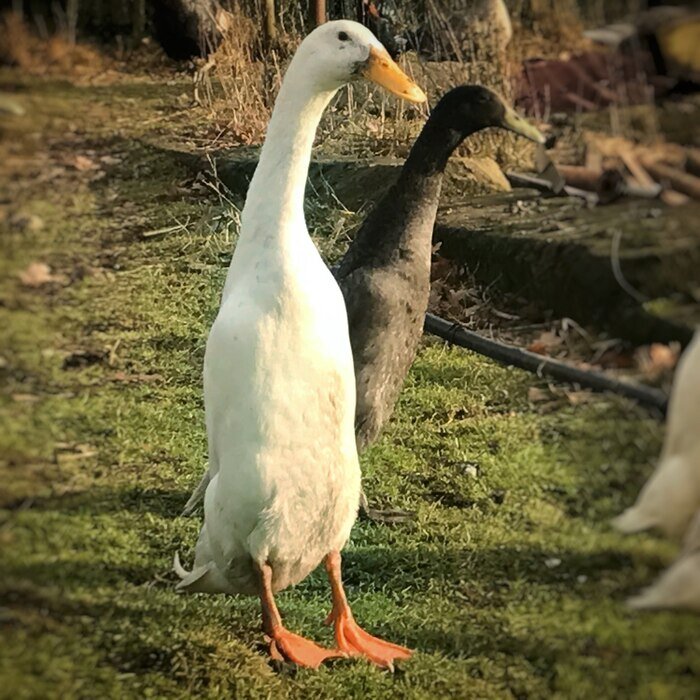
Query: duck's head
{"x": 341, "y": 51}
{"x": 469, "y": 108}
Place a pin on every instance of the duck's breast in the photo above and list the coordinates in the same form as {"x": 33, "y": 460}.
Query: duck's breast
{"x": 280, "y": 399}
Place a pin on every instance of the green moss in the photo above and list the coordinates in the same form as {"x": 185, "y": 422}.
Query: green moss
{"x": 508, "y": 583}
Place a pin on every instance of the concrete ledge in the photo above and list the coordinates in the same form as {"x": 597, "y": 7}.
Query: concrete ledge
{"x": 557, "y": 254}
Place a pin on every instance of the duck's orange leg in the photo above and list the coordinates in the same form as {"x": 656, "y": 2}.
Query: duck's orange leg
{"x": 349, "y": 636}
{"x": 285, "y": 645}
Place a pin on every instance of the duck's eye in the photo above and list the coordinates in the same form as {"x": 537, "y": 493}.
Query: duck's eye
{"x": 343, "y": 36}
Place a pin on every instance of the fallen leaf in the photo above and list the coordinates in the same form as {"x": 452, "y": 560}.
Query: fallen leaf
{"x": 25, "y": 398}
{"x": 455, "y": 297}
{"x": 83, "y": 163}
{"x": 537, "y": 395}
{"x": 657, "y": 359}
{"x": 576, "y": 398}
{"x": 673, "y": 198}
{"x": 545, "y": 343}
{"x": 441, "y": 268}
{"x": 68, "y": 454}
{"x": 614, "y": 358}
{"x": 664, "y": 356}
{"x": 82, "y": 449}
{"x": 38, "y": 274}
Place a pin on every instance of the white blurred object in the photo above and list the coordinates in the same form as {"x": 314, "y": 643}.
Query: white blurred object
{"x": 8, "y": 105}
{"x": 502, "y": 20}
{"x": 679, "y": 585}
{"x": 612, "y": 35}
{"x": 474, "y": 23}
{"x": 671, "y": 497}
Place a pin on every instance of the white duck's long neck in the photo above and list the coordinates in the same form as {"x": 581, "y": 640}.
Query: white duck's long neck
{"x": 277, "y": 187}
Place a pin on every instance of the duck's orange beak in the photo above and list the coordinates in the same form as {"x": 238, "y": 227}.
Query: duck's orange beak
{"x": 381, "y": 69}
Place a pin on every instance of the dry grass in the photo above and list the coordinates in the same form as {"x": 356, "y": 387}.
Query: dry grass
{"x": 29, "y": 49}
{"x": 547, "y": 30}
{"x": 242, "y": 79}
{"x": 238, "y": 85}
{"x": 22, "y": 48}
{"x": 247, "y": 84}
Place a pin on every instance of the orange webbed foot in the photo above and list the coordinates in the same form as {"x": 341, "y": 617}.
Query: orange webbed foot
{"x": 287, "y": 646}
{"x": 354, "y": 641}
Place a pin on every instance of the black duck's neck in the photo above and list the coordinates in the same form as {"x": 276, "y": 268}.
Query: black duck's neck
{"x": 417, "y": 192}
{"x": 402, "y": 222}
{"x": 432, "y": 149}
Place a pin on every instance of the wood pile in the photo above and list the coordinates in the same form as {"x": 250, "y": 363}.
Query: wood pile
{"x": 667, "y": 170}
{"x": 616, "y": 167}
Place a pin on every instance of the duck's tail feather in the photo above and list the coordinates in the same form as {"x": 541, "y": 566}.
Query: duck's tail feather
{"x": 202, "y": 579}
{"x": 197, "y": 495}
{"x": 178, "y": 568}
{"x": 195, "y": 581}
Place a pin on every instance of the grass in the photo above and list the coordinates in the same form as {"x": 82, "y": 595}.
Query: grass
{"x": 509, "y": 583}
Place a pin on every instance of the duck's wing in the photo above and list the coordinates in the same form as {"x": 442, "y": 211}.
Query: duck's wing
{"x": 360, "y": 303}
{"x": 377, "y": 238}
{"x": 367, "y": 319}
{"x": 197, "y": 495}
{"x": 204, "y": 577}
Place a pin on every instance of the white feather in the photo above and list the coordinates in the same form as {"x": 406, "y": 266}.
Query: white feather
{"x": 279, "y": 385}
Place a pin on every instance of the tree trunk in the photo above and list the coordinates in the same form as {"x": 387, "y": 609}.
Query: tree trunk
{"x": 270, "y": 23}
{"x": 138, "y": 19}
{"x": 320, "y": 12}
{"x": 187, "y": 28}
{"x": 71, "y": 20}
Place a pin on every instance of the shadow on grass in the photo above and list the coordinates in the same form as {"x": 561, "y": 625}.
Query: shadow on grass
{"x": 407, "y": 568}
{"x": 80, "y": 574}
{"x": 99, "y": 500}
{"x": 479, "y": 581}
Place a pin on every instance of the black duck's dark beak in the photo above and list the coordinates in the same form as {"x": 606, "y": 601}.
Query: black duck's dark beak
{"x": 514, "y": 122}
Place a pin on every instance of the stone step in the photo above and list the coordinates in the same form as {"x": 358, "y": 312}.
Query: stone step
{"x": 558, "y": 253}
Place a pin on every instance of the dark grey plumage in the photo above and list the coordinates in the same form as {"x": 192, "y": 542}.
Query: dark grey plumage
{"x": 385, "y": 273}
{"x": 385, "y": 279}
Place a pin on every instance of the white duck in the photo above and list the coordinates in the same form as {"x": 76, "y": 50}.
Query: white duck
{"x": 671, "y": 497}
{"x": 279, "y": 386}
{"x": 679, "y": 585}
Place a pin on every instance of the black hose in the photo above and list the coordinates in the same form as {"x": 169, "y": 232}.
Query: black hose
{"x": 456, "y": 334}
